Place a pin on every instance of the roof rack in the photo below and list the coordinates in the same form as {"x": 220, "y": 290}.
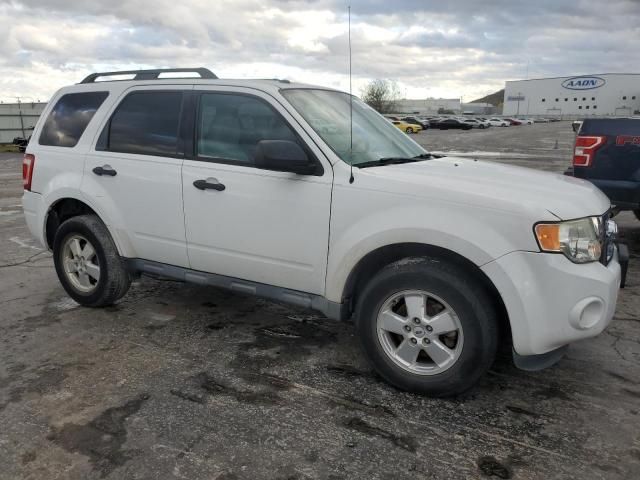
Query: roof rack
{"x": 154, "y": 74}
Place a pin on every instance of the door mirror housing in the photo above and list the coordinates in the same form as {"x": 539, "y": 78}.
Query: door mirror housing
{"x": 283, "y": 156}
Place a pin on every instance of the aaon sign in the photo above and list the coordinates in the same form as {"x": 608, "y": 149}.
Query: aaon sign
{"x": 583, "y": 83}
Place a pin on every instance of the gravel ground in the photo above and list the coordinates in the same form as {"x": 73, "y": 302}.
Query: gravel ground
{"x": 185, "y": 382}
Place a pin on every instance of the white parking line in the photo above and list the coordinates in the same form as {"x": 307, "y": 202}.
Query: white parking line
{"x": 22, "y": 243}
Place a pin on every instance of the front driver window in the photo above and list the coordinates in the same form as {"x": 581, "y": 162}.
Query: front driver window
{"x": 230, "y": 127}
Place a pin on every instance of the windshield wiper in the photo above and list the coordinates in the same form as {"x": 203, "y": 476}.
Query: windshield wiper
{"x": 394, "y": 160}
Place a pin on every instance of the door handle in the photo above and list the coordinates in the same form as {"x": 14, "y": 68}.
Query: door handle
{"x": 105, "y": 170}
{"x": 209, "y": 184}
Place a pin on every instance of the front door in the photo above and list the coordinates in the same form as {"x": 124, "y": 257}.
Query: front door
{"x": 259, "y": 225}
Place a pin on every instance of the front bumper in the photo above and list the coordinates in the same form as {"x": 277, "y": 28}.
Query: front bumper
{"x": 551, "y": 301}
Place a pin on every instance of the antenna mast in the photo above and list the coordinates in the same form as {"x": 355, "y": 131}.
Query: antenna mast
{"x": 350, "y": 104}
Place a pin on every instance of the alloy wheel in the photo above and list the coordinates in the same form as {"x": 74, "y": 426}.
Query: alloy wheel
{"x": 419, "y": 332}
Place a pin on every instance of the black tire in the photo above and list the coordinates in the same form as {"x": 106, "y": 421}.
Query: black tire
{"x": 114, "y": 278}
{"x": 409, "y": 130}
{"x": 469, "y": 300}
{"x": 637, "y": 213}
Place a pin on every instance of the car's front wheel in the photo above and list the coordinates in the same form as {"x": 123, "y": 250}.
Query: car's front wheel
{"x": 87, "y": 262}
{"x": 427, "y": 326}
{"x": 409, "y": 130}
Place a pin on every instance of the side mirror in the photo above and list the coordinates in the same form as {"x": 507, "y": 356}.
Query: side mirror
{"x": 283, "y": 156}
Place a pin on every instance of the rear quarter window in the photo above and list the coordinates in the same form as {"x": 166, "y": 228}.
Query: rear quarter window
{"x": 69, "y": 118}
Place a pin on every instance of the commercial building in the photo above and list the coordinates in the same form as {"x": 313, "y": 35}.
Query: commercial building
{"x": 604, "y": 94}
{"x": 18, "y": 119}
{"x": 478, "y": 108}
{"x": 428, "y": 106}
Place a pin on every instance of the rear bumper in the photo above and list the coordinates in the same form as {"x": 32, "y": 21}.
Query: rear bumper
{"x": 551, "y": 301}
{"x": 624, "y": 194}
{"x": 33, "y": 208}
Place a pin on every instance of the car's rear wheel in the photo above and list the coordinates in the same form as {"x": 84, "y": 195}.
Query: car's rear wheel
{"x": 87, "y": 262}
{"x": 637, "y": 213}
{"x": 409, "y": 130}
{"x": 427, "y": 326}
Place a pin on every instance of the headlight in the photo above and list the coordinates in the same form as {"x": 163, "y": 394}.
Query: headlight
{"x": 579, "y": 240}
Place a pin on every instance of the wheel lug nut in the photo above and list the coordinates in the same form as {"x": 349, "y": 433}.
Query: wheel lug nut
{"x": 426, "y": 341}
{"x": 407, "y": 328}
{"x": 414, "y": 341}
{"x": 416, "y": 321}
{"x": 429, "y": 328}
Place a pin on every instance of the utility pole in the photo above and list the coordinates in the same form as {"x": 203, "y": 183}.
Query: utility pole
{"x": 21, "y": 119}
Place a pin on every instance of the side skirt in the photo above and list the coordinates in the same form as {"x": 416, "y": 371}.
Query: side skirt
{"x": 331, "y": 310}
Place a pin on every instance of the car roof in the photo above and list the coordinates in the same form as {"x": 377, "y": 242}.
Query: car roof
{"x": 271, "y": 86}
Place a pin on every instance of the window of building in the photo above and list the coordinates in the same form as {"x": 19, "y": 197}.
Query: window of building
{"x": 624, "y": 98}
{"x": 575, "y": 99}
{"x": 69, "y": 118}
{"x": 146, "y": 123}
{"x": 595, "y": 106}
{"x": 557, "y": 100}
{"x": 566, "y": 99}
{"x": 633, "y": 98}
{"x": 587, "y": 107}
{"x": 543, "y": 100}
{"x": 580, "y": 107}
{"x": 593, "y": 98}
{"x": 583, "y": 99}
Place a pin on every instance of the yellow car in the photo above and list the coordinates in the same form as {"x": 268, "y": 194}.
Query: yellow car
{"x": 407, "y": 127}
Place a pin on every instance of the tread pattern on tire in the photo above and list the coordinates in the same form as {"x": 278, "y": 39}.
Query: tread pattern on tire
{"x": 114, "y": 278}
{"x": 450, "y": 382}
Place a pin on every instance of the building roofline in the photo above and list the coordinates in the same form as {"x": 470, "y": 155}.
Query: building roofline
{"x": 571, "y": 76}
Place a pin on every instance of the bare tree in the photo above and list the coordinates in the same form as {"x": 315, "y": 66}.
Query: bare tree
{"x": 381, "y": 95}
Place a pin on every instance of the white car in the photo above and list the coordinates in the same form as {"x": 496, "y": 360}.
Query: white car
{"x": 498, "y": 122}
{"x": 474, "y": 123}
{"x": 258, "y": 186}
{"x": 526, "y": 121}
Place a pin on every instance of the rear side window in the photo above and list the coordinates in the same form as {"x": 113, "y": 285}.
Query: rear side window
{"x": 69, "y": 118}
{"x": 146, "y": 123}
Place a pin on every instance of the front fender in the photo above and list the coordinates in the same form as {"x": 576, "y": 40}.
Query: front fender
{"x": 478, "y": 236}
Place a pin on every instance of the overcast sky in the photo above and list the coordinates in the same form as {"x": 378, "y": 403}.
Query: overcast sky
{"x": 442, "y": 48}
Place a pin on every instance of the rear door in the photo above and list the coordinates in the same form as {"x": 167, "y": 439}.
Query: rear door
{"x": 134, "y": 173}
{"x": 264, "y": 226}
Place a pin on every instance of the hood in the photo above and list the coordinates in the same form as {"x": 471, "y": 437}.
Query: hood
{"x": 493, "y": 185}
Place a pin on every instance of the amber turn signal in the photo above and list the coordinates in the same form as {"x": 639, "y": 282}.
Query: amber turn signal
{"x": 548, "y": 236}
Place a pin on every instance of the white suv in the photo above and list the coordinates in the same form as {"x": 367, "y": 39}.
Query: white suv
{"x": 265, "y": 187}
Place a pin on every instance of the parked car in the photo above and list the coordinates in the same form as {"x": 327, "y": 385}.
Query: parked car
{"x": 407, "y": 127}
{"x": 540, "y": 120}
{"x": 513, "y": 121}
{"x": 607, "y": 153}
{"x": 423, "y": 124}
{"x": 498, "y": 122}
{"x": 477, "y": 123}
{"x": 474, "y": 123}
{"x": 526, "y": 121}
{"x": 237, "y": 184}
{"x": 21, "y": 143}
{"x": 451, "y": 123}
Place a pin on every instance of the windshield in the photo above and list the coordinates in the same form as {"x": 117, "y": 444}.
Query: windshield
{"x": 374, "y": 137}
